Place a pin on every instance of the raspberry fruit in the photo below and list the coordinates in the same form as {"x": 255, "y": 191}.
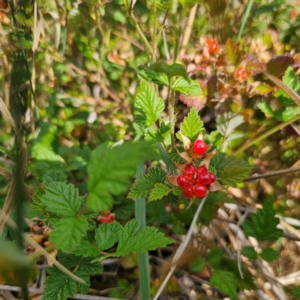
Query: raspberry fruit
{"x": 200, "y": 190}
{"x": 188, "y": 191}
{"x": 183, "y": 180}
{"x": 106, "y": 219}
{"x": 189, "y": 169}
{"x": 199, "y": 147}
{"x": 240, "y": 73}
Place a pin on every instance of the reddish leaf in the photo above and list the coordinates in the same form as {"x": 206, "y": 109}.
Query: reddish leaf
{"x": 253, "y": 65}
{"x": 277, "y": 65}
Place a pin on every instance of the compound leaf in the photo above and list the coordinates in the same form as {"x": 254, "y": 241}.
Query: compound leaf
{"x": 263, "y": 224}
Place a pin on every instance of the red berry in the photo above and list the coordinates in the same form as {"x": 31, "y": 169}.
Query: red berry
{"x": 200, "y": 190}
{"x": 201, "y": 169}
{"x": 213, "y": 48}
{"x": 244, "y": 75}
{"x": 204, "y": 178}
{"x": 184, "y": 180}
{"x": 188, "y": 191}
{"x": 240, "y": 73}
{"x": 189, "y": 169}
{"x": 106, "y": 219}
{"x": 212, "y": 177}
{"x": 199, "y": 147}
{"x": 210, "y": 41}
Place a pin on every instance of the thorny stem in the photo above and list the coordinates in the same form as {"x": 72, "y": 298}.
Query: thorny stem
{"x": 266, "y": 134}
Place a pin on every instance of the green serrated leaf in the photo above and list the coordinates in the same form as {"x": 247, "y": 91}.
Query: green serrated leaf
{"x": 147, "y": 239}
{"x": 191, "y": 125}
{"x": 145, "y": 183}
{"x": 264, "y": 89}
{"x": 107, "y": 234}
{"x": 187, "y": 87}
{"x": 86, "y": 249}
{"x": 174, "y": 156}
{"x": 62, "y": 199}
{"x": 263, "y": 224}
{"x": 249, "y": 252}
{"x": 58, "y": 286}
{"x": 88, "y": 266}
{"x": 225, "y": 282}
{"x": 266, "y": 108}
{"x": 170, "y": 70}
{"x": 160, "y": 190}
{"x": 289, "y": 113}
{"x": 54, "y": 175}
{"x": 149, "y": 102}
{"x": 156, "y": 77}
{"x": 296, "y": 292}
{"x": 197, "y": 265}
{"x": 68, "y": 232}
{"x": 269, "y": 254}
{"x": 229, "y": 169}
{"x": 110, "y": 171}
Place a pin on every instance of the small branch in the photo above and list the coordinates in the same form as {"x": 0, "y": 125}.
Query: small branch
{"x": 275, "y": 173}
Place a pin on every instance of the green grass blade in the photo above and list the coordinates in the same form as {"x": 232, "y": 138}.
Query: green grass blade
{"x": 140, "y": 215}
{"x": 245, "y": 18}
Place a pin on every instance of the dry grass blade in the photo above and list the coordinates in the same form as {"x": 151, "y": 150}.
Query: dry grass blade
{"x": 285, "y": 88}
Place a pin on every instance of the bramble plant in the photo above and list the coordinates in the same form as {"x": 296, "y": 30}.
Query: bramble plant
{"x": 137, "y": 133}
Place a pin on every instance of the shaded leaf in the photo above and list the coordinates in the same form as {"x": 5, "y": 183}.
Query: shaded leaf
{"x": 263, "y": 224}
{"x": 269, "y": 254}
{"x": 278, "y": 65}
{"x": 249, "y": 252}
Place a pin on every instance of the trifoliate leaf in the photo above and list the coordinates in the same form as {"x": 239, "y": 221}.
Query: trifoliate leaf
{"x": 269, "y": 254}
{"x": 145, "y": 183}
{"x": 229, "y": 169}
{"x": 296, "y": 292}
{"x": 58, "y": 286}
{"x": 191, "y": 125}
{"x": 62, "y": 199}
{"x": 225, "y": 282}
{"x": 107, "y": 234}
{"x": 68, "y": 232}
{"x": 249, "y": 252}
{"x": 147, "y": 239}
{"x": 160, "y": 190}
{"x": 187, "y": 87}
{"x": 263, "y": 224}
{"x": 110, "y": 171}
{"x": 149, "y": 102}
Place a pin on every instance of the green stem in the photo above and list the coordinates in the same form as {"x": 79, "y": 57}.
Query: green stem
{"x": 177, "y": 36}
{"x": 154, "y": 31}
{"x": 266, "y": 134}
{"x": 245, "y": 18}
{"x": 171, "y": 108}
{"x": 140, "y": 215}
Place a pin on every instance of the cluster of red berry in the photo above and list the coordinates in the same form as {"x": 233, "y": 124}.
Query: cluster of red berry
{"x": 107, "y": 217}
{"x": 240, "y": 73}
{"x": 213, "y": 45}
{"x": 196, "y": 180}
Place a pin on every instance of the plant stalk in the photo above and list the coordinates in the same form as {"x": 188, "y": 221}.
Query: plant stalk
{"x": 245, "y": 18}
